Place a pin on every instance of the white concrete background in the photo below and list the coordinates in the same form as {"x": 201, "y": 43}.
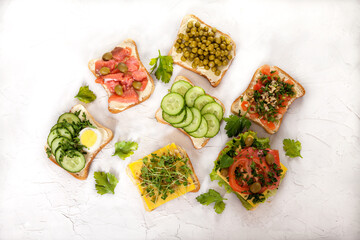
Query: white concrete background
{"x": 44, "y": 50}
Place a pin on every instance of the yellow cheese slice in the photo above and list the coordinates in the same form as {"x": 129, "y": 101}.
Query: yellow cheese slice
{"x": 267, "y": 193}
{"x": 135, "y": 169}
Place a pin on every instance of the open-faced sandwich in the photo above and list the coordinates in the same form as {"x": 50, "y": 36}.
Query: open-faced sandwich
{"x": 163, "y": 176}
{"x": 248, "y": 167}
{"x": 268, "y": 96}
{"x": 203, "y": 49}
{"x": 123, "y": 76}
{"x": 75, "y": 140}
{"x": 192, "y": 111}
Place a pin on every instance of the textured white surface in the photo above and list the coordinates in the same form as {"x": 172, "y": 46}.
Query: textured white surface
{"x": 44, "y": 50}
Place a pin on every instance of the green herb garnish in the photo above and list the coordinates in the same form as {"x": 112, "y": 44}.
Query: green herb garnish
{"x": 164, "y": 65}
{"x": 105, "y": 182}
{"x": 125, "y": 149}
{"x": 85, "y": 95}
{"x": 235, "y": 125}
{"x": 48, "y": 152}
{"x": 162, "y": 175}
{"x": 210, "y": 197}
{"x": 292, "y": 148}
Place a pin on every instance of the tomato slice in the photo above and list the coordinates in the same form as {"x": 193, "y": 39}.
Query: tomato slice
{"x": 244, "y": 105}
{"x": 270, "y": 125}
{"x": 265, "y": 70}
{"x": 243, "y": 164}
{"x": 257, "y": 87}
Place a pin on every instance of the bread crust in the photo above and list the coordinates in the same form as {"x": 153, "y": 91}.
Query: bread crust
{"x": 300, "y": 91}
{"x": 83, "y": 174}
{"x": 194, "y": 176}
{"x": 184, "y": 65}
{"x": 116, "y": 110}
{"x": 158, "y": 116}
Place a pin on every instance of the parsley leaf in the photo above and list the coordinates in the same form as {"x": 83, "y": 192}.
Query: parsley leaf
{"x": 163, "y": 66}
{"x": 125, "y": 149}
{"x": 105, "y": 182}
{"x": 292, "y": 148}
{"x": 210, "y": 197}
{"x": 85, "y": 95}
{"x": 226, "y": 161}
{"x": 235, "y": 125}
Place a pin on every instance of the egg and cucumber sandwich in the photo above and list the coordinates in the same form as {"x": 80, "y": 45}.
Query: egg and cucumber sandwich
{"x": 75, "y": 140}
{"x": 163, "y": 175}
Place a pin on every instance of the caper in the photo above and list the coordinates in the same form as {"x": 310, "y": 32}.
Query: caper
{"x": 104, "y": 70}
{"x": 107, "y": 56}
{"x": 118, "y": 90}
{"x": 270, "y": 159}
{"x": 249, "y": 141}
{"x": 255, "y": 187}
{"x": 224, "y": 172}
{"x": 213, "y": 30}
{"x": 122, "y": 67}
{"x": 197, "y": 24}
{"x": 250, "y": 93}
{"x": 211, "y": 64}
{"x": 186, "y": 38}
{"x": 179, "y": 50}
{"x": 137, "y": 85}
{"x": 183, "y": 58}
{"x": 218, "y": 72}
{"x": 190, "y": 24}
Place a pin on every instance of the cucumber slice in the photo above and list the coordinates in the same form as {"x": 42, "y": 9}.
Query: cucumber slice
{"x": 213, "y": 125}
{"x": 73, "y": 161}
{"x": 201, "y": 101}
{"x": 59, "y": 153}
{"x": 181, "y": 87}
{"x": 186, "y": 121}
{"x": 57, "y": 142}
{"x": 201, "y": 131}
{"x": 192, "y": 94}
{"x": 66, "y": 125}
{"x": 69, "y": 118}
{"x": 173, "y": 104}
{"x": 213, "y": 108}
{"x": 58, "y": 132}
{"x": 174, "y": 119}
{"x": 195, "y": 123}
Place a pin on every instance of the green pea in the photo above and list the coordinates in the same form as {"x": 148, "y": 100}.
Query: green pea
{"x": 225, "y": 62}
{"x": 104, "y": 70}
{"x": 211, "y": 64}
{"x": 255, "y": 187}
{"x": 213, "y": 30}
{"x": 186, "y": 54}
{"x": 218, "y": 72}
{"x": 222, "y": 46}
{"x": 183, "y": 58}
{"x": 205, "y": 53}
{"x": 190, "y": 24}
{"x": 229, "y": 57}
{"x": 181, "y": 35}
{"x": 107, "y": 56}
{"x": 186, "y": 38}
{"x": 218, "y": 40}
{"x": 222, "y": 38}
{"x": 179, "y": 40}
{"x": 270, "y": 160}
{"x": 122, "y": 67}
{"x": 228, "y": 41}
{"x": 194, "y": 65}
{"x": 214, "y": 69}
{"x": 197, "y": 24}
{"x": 179, "y": 50}
{"x": 211, "y": 57}
{"x": 206, "y": 62}
{"x": 229, "y": 47}
{"x": 118, "y": 90}
{"x": 194, "y": 50}
{"x": 200, "y": 51}
{"x": 177, "y": 45}
{"x": 193, "y": 44}
{"x": 207, "y": 67}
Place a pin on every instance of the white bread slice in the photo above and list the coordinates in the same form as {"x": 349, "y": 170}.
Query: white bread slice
{"x": 208, "y": 74}
{"x": 197, "y": 142}
{"x": 114, "y": 106}
{"x": 236, "y": 106}
{"x": 107, "y": 135}
{"x": 183, "y": 154}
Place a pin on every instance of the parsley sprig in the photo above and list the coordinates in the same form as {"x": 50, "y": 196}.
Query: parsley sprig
{"x": 235, "y": 124}
{"x": 162, "y": 175}
{"x": 210, "y": 197}
{"x": 105, "y": 182}
{"x": 163, "y": 66}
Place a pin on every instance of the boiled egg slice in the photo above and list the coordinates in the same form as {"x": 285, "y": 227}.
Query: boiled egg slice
{"x": 90, "y": 138}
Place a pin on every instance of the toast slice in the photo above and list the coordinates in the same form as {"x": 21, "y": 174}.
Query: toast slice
{"x": 236, "y": 105}
{"x": 89, "y": 157}
{"x": 115, "y": 106}
{"x": 134, "y": 172}
{"x": 197, "y": 142}
{"x": 208, "y": 74}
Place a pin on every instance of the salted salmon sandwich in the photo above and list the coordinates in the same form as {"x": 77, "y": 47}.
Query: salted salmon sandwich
{"x": 123, "y": 76}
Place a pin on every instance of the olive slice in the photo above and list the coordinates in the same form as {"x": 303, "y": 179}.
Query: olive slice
{"x": 119, "y": 90}
{"x": 137, "y": 85}
{"x": 122, "y": 67}
{"x": 107, "y": 56}
{"x": 255, "y": 187}
{"x": 104, "y": 70}
{"x": 270, "y": 160}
